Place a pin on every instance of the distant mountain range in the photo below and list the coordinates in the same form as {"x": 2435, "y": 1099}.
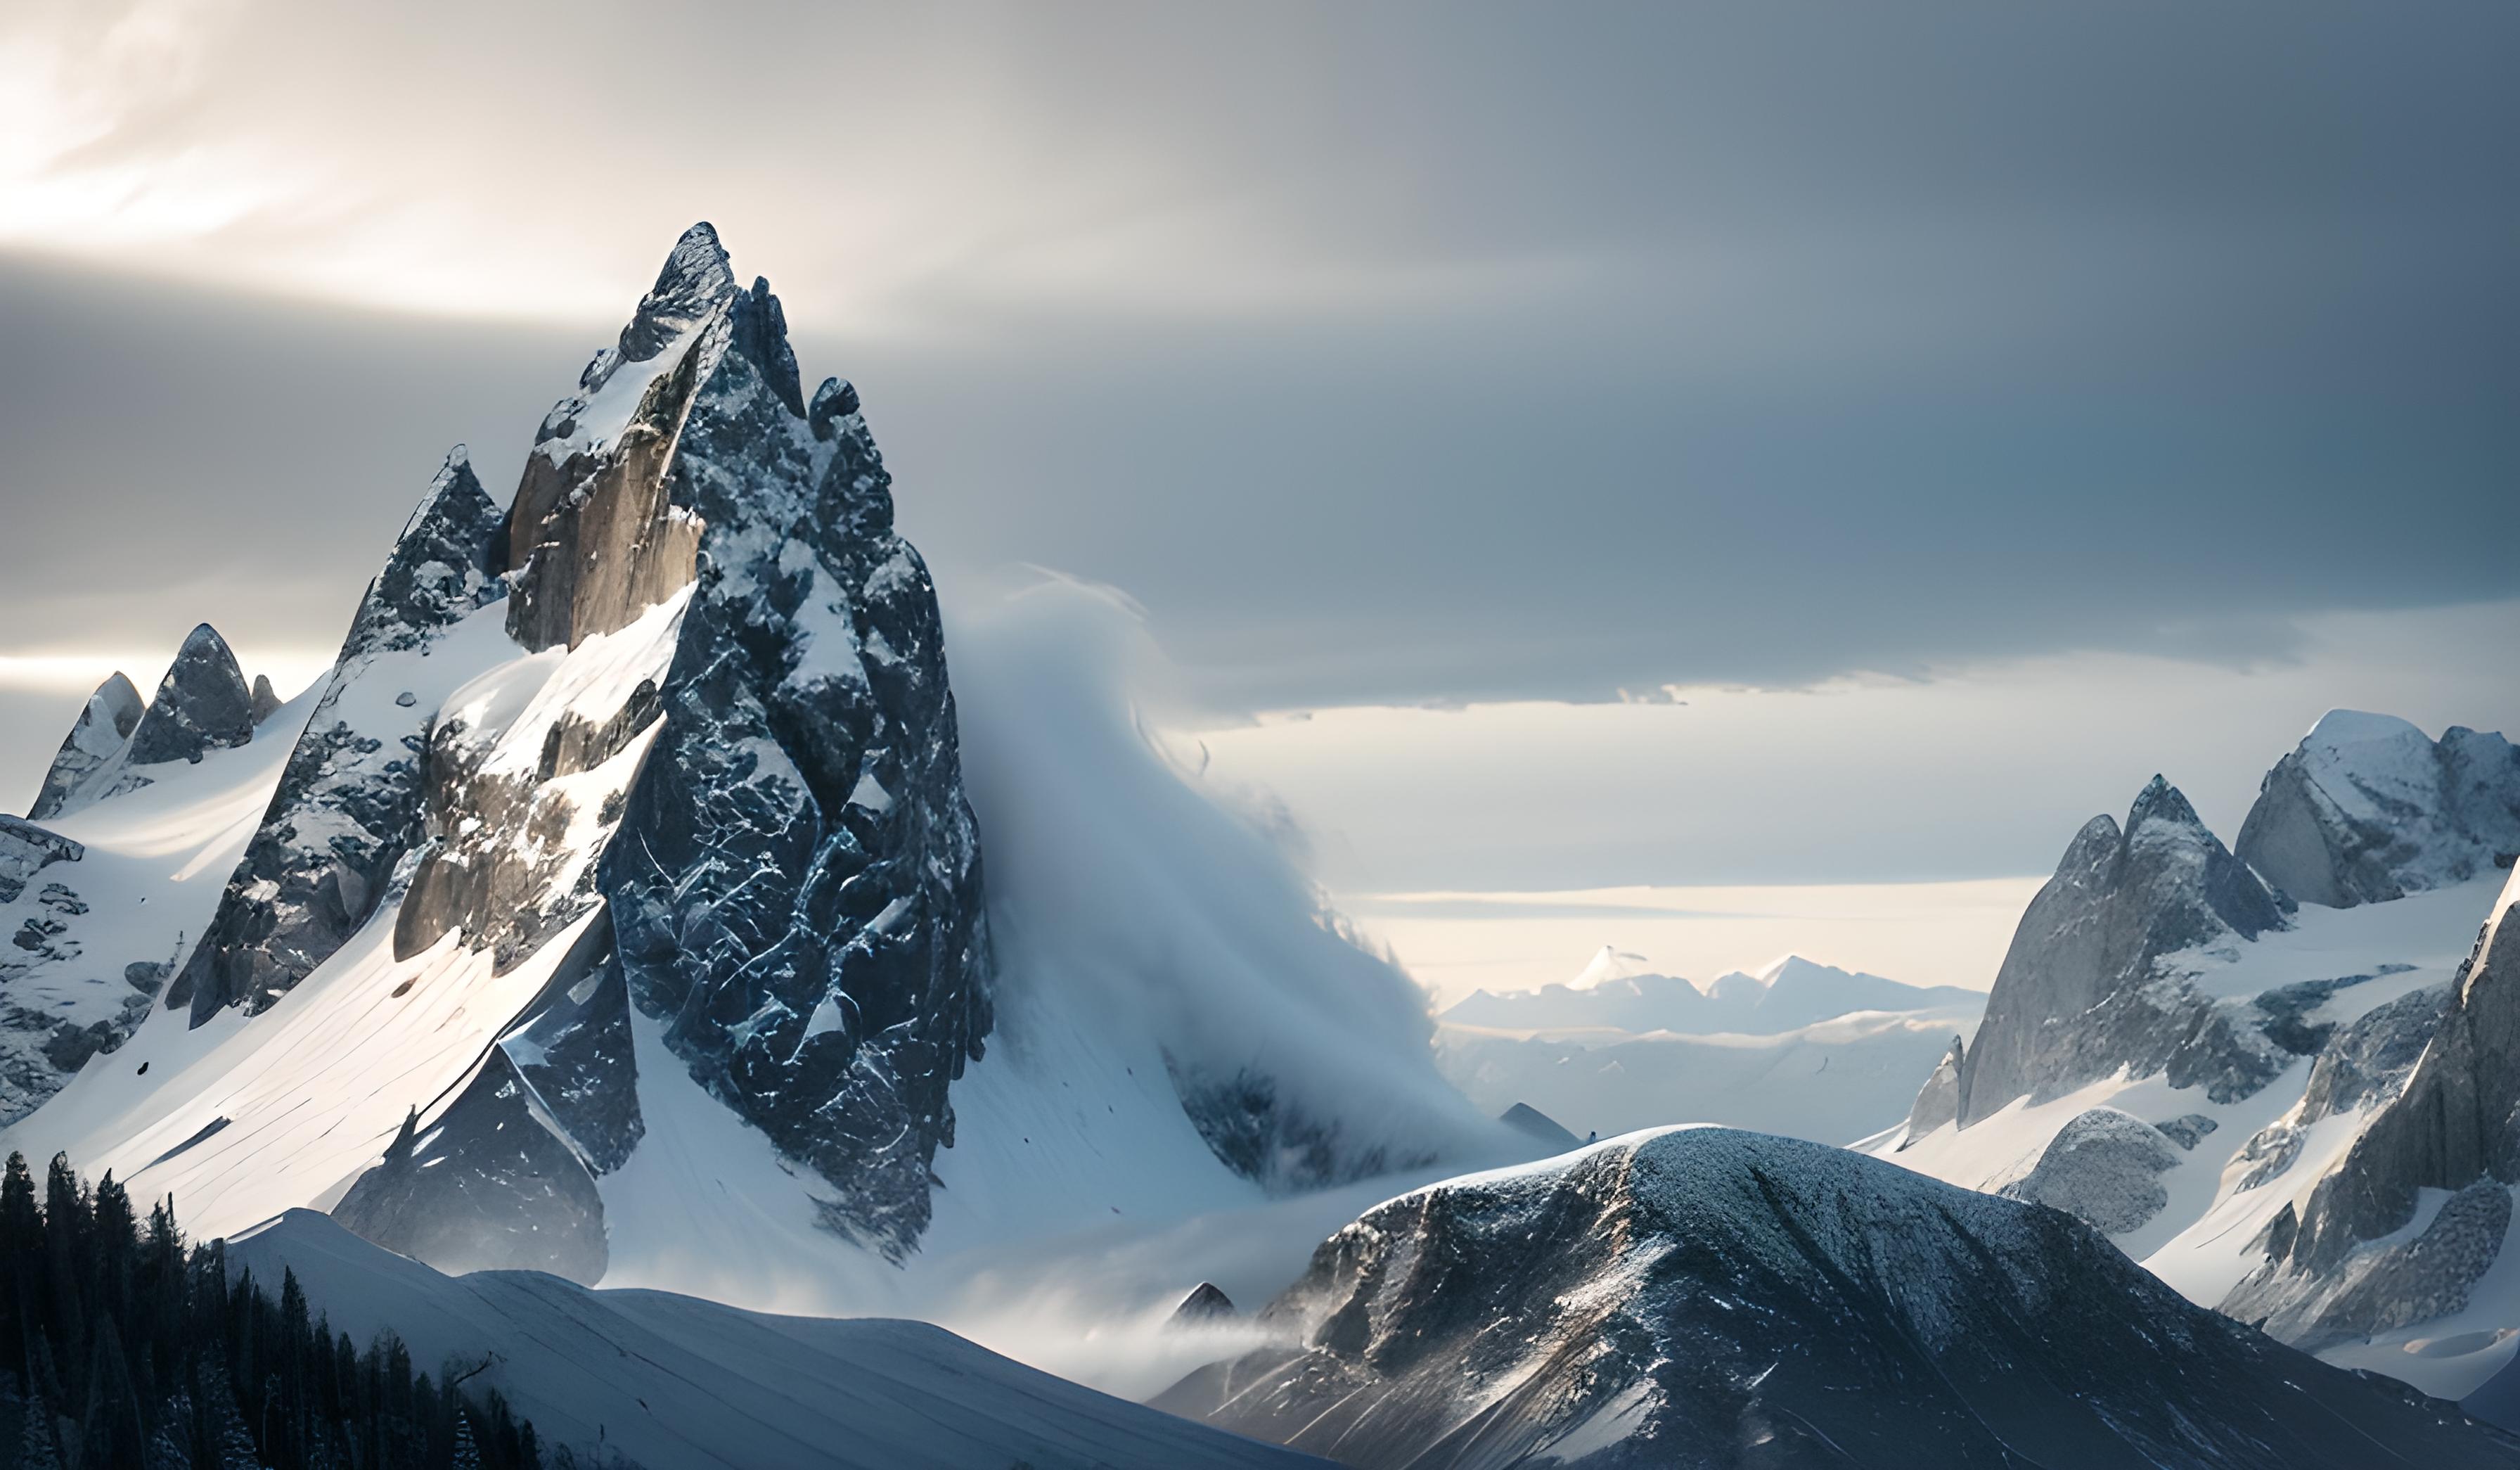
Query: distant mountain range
{"x": 1615, "y": 991}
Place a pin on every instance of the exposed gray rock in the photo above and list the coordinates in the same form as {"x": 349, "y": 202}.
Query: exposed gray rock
{"x": 349, "y": 803}
{"x": 2378, "y": 1286}
{"x": 594, "y": 534}
{"x": 27, "y": 849}
{"x": 1207, "y": 1303}
{"x": 2102, "y": 1167}
{"x": 2368, "y": 809}
{"x": 201, "y": 705}
{"x": 1704, "y": 1297}
{"x": 266, "y": 700}
{"x": 2453, "y": 1125}
{"x": 1539, "y": 1127}
{"x": 1938, "y": 1102}
{"x": 2081, "y": 991}
{"x": 102, "y": 728}
{"x": 2187, "y": 1130}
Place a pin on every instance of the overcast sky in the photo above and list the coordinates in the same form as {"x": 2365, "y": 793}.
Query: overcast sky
{"x": 2122, "y": 380}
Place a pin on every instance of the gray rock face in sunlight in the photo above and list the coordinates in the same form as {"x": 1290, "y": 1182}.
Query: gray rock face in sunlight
{"x": 2084, "y": 990}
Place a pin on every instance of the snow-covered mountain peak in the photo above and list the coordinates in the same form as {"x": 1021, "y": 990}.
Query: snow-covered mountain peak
{"x": 2368, "y": 809}
{"x": 1676, "y": 1295}
{"x": 1609, "y": 963}
{"x": 102, "y": 728}
{"x": 2338, "y": 729}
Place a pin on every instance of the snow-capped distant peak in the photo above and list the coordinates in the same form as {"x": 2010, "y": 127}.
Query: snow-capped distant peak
{"x": 1609, "y": 964}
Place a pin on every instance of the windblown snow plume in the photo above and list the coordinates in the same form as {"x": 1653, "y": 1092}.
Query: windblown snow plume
{"x": 1303, "y": 1058}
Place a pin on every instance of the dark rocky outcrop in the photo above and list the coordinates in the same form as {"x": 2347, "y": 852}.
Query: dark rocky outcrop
{"x": 796, "y": 889}
{"x": 1539, "y": 1127}
{"x": 1703, "y": 1297}
{"x": 2188, "y": 1129}
{"x": 201, "y": 705}
{"x": 349, "y": 803}
{"x": 27, "y": 849}
{"x": 2083, "y": 991}
{"x": 2368, "y": 809}
{"x": 1206, "y": 1303}
{"x": 104, "y": 727}
{"x": 2341, "y": 1265}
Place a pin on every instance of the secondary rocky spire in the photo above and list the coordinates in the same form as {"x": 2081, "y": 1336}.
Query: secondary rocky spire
{"x": 2086, "y": 953}
{"x": 347, "y": 806}
{"x": 201, "y": 705}
{"x": 104, "y": 727}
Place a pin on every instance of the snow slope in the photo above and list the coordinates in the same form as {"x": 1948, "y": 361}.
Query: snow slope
{"x": 678, "y": 1383}
{"x": 154, "y": 859}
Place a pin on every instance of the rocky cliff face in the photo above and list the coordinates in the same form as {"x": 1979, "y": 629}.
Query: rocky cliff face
{"x": 202, "y": 703}
{"x": 102, "y": 728}
{"x": 708, "y": 748}
{"x": 2085, "y": 988}
{"x": 1704, "y": 1297}
{"x": 349, "y": 803}
{"x": 2352, "y": 1261}
{"x": 2368, "y": 809}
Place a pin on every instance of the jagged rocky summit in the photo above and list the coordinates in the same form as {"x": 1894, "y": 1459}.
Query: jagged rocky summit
{"x": 102, "y": 728}
{"x": 671, "y": 734}
{"x": 201, "y": 705}
{"x": 2368, "y": 809}
{"x": 1699, "y": 1296}
{"x": 2091, "y": 984}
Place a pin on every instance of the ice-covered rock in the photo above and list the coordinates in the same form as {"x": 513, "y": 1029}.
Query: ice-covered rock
{"x": 202, "y": 703}
{"x": 2368, "y": 809}
{"x": 2103, "y": 1168}
{"x": 1699, "y": 1296}
{"x": 104, "y": 727}
{"x": 2084, "y": 990}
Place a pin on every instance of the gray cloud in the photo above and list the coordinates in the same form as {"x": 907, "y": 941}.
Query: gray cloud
{"x": 1386, "y": 354}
